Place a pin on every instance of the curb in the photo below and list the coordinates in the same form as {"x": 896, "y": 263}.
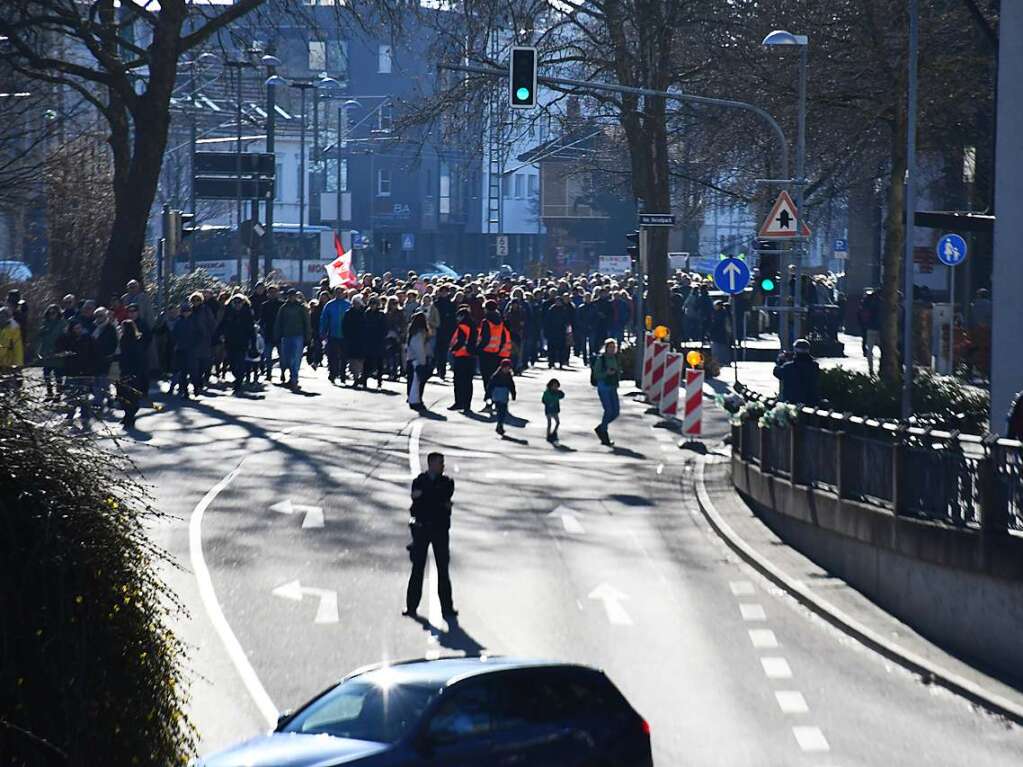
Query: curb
{"x": 930, "y": 672}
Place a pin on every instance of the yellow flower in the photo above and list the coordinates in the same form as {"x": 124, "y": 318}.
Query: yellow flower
{"x": 78, "y": 599}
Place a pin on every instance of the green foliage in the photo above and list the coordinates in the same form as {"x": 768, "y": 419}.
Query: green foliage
{"x": 90, "y": 672}
{"x": 938, "y": 401}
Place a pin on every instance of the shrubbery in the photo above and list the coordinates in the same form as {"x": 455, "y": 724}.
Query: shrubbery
{"x": 90, "y": 672}
{"x": 938, "y": 401}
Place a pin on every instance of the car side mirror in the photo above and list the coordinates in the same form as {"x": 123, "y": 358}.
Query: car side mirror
{"x": 282, "y": 719}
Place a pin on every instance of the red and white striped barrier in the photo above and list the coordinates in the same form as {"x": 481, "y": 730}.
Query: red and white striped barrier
{"x": 660, "y": 356}
{"x": 692, "y": 421}
{"x": 672, "y": 381}
{"x": 648, "y": 360}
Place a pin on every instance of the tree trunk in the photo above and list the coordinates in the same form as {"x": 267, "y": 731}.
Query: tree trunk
{"x": 894, "y": 247}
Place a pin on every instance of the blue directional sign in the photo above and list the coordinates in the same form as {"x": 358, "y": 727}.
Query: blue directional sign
{"x": 731, "y": 275}
{"x": 408, "y": 241}
{"x": 951, "y": 250}
{"x": 841, "y": 246}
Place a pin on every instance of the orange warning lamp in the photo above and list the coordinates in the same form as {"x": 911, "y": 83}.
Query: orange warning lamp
{"x": 649, "y": 322}
{"x": 660, "y": 332}
{"x": 694, "y": 358}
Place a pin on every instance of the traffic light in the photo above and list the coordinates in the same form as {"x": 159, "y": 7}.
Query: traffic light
{"x": 186, "y": 224}
{"x": 768, "y": 282}
{"x": 633, "y": 249}
{"x": 522, "y": 78}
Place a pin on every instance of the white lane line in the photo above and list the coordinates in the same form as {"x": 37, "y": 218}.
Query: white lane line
{"x": 752, "y": 612}
{"x": 660, "y": 468}
{"x": 776, "y": 668}
{"x": 791, "y": 701}
{"x": 811, "y": 739}
{"x": 741, "y": 588}
{"x": 209, "y": 600}
{"x": 414, "y": 465}
{"x": 763, "y": 639}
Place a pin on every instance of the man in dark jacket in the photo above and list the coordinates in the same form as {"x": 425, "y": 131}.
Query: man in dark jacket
{"x": 292, "y": 333}
{"x": 78, "y": 350}
{"x": 446, "y": 310}
{"x": 431, "y": 521}
{"x": 237, "y": 331}
{"x": 267, "y": 319}
{"x": 557, "y": 320}
{"x": 798, "y": 374}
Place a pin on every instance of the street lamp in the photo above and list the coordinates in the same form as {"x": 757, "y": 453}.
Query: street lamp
{"x": 780, "y": 38}
{"x": 271, "y": 63}
{"x": 342, "y": 143}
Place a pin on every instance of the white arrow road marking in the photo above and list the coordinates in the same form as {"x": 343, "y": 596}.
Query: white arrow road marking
{"x": 612, "y": 599}
{"x": 327, "y": 610}
{"x": 568, "y": 520}
{"x": 313, "y": 514}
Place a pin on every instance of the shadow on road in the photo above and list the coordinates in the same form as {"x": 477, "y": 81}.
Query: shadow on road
{"x": 455, "y": 638}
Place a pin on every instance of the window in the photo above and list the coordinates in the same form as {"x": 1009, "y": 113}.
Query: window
{"x": 445, "y": 189}
{"x": 520, "y": 186}
{"x": 506, "y": 186}
{"x": 279, "y": 183}
{"x": 463, "y": 716}
{"x": 385, "y": 117}
{"x": 317, "y": 56}
{"x": 344, "y": 175}
{"x": 384, "y": 59}
{"x": 383, "y": 183}
{"x": 337, "y": 58}
{"x": 534, "y": 186}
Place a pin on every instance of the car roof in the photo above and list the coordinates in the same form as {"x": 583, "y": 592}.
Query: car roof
{"x": 446, "y": 671}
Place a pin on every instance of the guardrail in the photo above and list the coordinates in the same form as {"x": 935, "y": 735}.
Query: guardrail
{"x": 959, "y": 480}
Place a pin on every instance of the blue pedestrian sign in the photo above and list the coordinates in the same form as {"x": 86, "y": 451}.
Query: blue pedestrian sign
{"x": 731, "y": 275}
{"x": 408, "y": 241}
{"x": 951, "y": 250}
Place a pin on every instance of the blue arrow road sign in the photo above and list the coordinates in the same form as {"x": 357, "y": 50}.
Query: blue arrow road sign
{"x": 951, "y": 250}
{"x": 731, "y": 275}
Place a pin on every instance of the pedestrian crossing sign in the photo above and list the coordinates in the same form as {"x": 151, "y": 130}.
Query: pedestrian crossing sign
{"x": 783, "y": 219}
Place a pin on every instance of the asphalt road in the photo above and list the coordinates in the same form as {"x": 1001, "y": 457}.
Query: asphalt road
{"x": 576, "y": 552}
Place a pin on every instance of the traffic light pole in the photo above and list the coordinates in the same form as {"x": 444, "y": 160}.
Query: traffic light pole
{"x": 640, "y": 344}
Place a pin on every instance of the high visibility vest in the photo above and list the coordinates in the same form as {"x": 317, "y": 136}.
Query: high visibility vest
{"x": 496, "y": 333}
{"x": 506, "y": 347}
{"x": 463, "y": 350}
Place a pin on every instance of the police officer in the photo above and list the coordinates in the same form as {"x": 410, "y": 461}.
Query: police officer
{"x": 431, "y": 520}
{"x": 463, "y": 359}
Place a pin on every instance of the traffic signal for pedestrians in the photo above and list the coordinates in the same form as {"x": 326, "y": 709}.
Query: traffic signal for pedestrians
{"x": 522, "y": 78}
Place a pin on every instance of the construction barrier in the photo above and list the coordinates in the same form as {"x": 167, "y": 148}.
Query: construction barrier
{"x": 672, "y": 381}
{"x": 648, "y": 360}
{"x": 692, "y": 421}
{"x": 660, "y": 355}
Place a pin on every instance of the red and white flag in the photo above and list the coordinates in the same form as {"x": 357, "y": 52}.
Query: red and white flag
{"x": 339, "y": 271}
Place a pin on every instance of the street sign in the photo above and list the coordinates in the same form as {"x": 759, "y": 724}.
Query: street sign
{"x": 502, "y": 245}
{"x": 951, "y": 250}
{"x": 225, "y": 188}
{"x": 408, "y": 241}
{"x": 782, "y": 221}
{"x": 614, "y": 264}
{"x": 678, "y": 261}
{"x": 731, "y": 275}
{"x": 231, "y": 163}
{"x": 251, "y": 232}
{"x": 841, "y": 249}
{"x": 656, "y": 219}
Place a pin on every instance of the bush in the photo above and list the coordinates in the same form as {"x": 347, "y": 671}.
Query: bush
{"x": 181, "y": 286}
{"x": 939, "y": 402}
{"x": 90, "y": 672}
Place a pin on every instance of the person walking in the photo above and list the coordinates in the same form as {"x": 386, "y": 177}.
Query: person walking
{"x": 105, "y": 337}
{"x": 430, "y": 525}
{"x": 552, "y": 396}
{"x": 78, "y": 350}
{"x": 51, "y": 328}
{"x": 185, "y": 335}
{"x": 237, "y": 331}
{"x": 463, "y": 359}
{"x": 268, "y": 309}
{"x": 331, "y": 330}
{"x": 354, "y": 331}
{"x": 605, "y": 374}
{"x": 447, "y": 311}
{"x": 12, "y": 347}
{"x": 132, "y": 362}
{"x": 493, "y": 339}
{"x": 291, "y": 331}
{"x": 502, "y": 387}
{"x": 376, "y": 338}
{"x": 417, "y": 356}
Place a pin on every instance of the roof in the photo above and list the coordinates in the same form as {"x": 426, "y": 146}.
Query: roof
{"x": 444, "y": 671}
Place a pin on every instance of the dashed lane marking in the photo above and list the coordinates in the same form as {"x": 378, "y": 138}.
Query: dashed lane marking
{"x": 811, "y": 739}
{"x": 514, "y": 476}
{"x": 763, "y": 639}
{"x": 741, "y": 588}
{"x": 752, "y": 612}
{"x": 776, "y": 668}
{"x": 791, "y": 701}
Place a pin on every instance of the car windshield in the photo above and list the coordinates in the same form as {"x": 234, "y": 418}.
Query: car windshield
{"x": 364, "y": 710}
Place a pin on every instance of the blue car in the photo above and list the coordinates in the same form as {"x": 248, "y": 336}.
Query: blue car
{"x": 457, "y": 712}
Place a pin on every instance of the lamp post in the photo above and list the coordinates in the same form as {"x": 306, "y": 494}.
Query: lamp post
{"x": 782, "y": 38}
{"x": 342, "y": 143}
{"x": 269, "y": 249}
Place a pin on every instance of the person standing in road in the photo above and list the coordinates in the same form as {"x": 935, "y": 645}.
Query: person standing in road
{"x": 502, "y": 387}
{"x": 463, "y": 359}
{"x": 432, "y": 492}
{"x": 446, "y": 310}
{"x": 417, "y": 356}
{"x": 605, "y": 374}
{"x": 291, "y": 331}
{"x": 493, "y": 339}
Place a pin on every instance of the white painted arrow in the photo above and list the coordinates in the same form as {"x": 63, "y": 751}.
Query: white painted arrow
{"x": 325, "y": 613}
{"x": 568, "y": 520}
{"x": 612, "y": 599}
{"x": 313, "y": 514}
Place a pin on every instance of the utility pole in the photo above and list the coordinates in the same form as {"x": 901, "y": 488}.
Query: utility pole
{"x": 907, "y": 258}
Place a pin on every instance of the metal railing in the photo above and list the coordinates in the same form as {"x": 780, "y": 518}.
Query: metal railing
{"x": 958, "y": 480}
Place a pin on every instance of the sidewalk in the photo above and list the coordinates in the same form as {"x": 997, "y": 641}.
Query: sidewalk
{"x": 840, "y": 604}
